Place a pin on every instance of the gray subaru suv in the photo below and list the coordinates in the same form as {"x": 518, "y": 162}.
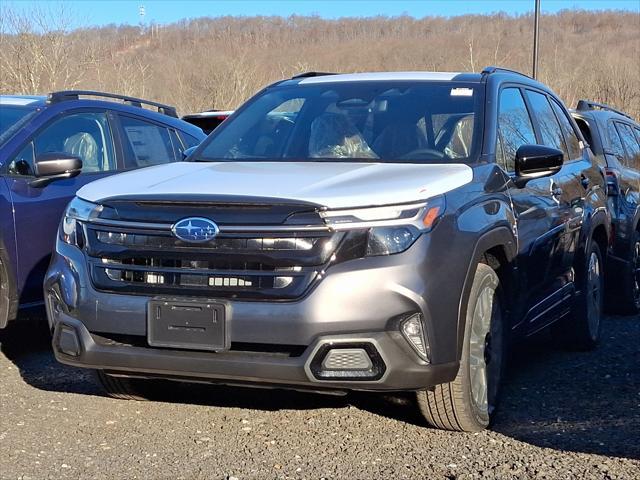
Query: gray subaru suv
{"x": 374, "y": 231}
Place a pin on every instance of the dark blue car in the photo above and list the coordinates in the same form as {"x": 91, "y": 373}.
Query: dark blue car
{"x": 50, "y": 146}
{"x": 614, "y": 137}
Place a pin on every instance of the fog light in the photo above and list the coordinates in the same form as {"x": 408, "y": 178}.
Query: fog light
{"x": 413, "y": 331}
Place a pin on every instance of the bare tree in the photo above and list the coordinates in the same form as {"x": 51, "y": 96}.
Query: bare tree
{"x": 219, "y": 62}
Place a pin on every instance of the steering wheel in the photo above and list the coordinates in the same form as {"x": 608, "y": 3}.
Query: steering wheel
{"x": 424, "y": 154}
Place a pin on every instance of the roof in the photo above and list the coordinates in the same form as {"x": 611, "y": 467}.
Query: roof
{"x": 391, "y": 76}
{"x": 211, "y": 113}
{"x": 22, "y": 100}
{"x": 42, "y": 101}
{"x": 601, "y": 111}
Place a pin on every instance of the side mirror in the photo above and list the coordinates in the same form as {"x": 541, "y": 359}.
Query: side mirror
{"x": 536, "y": 161}
{"x": 186, "y": 153}
{"x": 49, "y": 167}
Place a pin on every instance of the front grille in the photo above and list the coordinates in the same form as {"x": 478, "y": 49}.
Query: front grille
{"x": 199, "y": 274}
{"x": 221, "y": 244}
{"x": 256, "y": 265}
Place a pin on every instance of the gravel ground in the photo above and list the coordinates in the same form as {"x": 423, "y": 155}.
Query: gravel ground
{"x": 564, "y": 415}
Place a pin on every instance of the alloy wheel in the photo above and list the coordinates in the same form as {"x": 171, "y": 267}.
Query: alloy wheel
{"x": 635, "y": 265}
{"x": 594, "y": 294}
{"x": 485, "y": 352}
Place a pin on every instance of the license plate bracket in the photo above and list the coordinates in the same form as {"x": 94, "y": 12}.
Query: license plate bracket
{"x": 186, "y": 324}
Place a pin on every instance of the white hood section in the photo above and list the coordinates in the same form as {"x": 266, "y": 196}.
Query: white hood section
{"x": 329, "y": 184}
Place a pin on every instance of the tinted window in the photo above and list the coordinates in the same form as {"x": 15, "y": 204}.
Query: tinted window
{"x": 632, "y": 158}
{"x": 146, "y": 143}
{"x": 547, "y": 122}
{"x": 22, "y": 164}
{"x": 178, "y": 147}
{"x": 378, "y": 121}
{"x": 514, "y": 126}
{"x": 585, "y": 128}
{"x": 189, "y": 140}
{"x": 10, "y": 115}
{"x": 85, "y": 135}
{"x": 573, "y": 142}
{"x": 615, "y": 143}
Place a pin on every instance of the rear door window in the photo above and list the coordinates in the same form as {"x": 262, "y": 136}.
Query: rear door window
{"x": 573, "y": 142}
{"x": 548, "y": 125}
{"x": 615, "y": 143}
{"x": 146, "y": 143}
{"x": 178, "y": 146}
{"x": 632, "y": 157}
{"x": 189, "y": 140}
{"x": 514, "y": 127}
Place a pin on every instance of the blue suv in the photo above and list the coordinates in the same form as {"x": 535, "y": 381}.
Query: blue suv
{"x": 50, "y": 146}
{"x": 614, "y": 138}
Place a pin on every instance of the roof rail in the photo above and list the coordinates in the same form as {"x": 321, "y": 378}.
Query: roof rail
{"x": 64, "y": 95}
{"x": 589, "y": 105}
{"x": 311, "y": 74}
{"x": 491, "y": 69}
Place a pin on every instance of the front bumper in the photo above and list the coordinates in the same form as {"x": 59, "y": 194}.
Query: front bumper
{"x": 360, "y": 302}
{"x": 401, "y": 372}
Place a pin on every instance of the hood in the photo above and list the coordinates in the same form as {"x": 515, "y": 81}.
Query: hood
{"x": 328, "y": 184}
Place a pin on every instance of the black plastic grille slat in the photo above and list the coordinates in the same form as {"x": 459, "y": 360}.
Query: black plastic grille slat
{"x": 166, "y": 240}
{"x": 269, "y": 265}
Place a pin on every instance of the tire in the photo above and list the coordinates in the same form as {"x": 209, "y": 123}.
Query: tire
{"x": 581, "y": 330}
{"x": 630, "y": 300}
{"x": 463, "y": 405}
{"x": 4, "y": 297}
{"x": 125, "y": 388}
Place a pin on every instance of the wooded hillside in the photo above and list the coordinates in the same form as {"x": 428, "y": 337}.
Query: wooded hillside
{"x": 204, "y": 63}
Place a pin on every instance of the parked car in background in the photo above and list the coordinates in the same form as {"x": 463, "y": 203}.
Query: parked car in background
{"x": 372, "y": 231}
{"x": 208, "y": 121}
{"x": 50, "y": 146}
{"x": 614, "y": 137}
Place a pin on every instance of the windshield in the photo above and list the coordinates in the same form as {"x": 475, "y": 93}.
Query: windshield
{"x": 413, "y": 122}
{"x": 11, "y": 119}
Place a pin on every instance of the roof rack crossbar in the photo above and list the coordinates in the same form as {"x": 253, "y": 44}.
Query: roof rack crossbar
{"x": 492, "y": 69}
{"x": 312, "y": 74}
{"x": 589, "y": 105}
{"x": 64, "y": 95}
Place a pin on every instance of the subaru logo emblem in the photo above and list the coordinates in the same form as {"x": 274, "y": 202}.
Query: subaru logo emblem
{"x": 195, "y": 230}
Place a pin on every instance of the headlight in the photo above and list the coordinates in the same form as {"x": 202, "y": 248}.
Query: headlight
{"x": 77, "y": 212}
{"x": 390, "y": 240}
{"x": 349, "y": 219}
{"x": 390, "y": 229}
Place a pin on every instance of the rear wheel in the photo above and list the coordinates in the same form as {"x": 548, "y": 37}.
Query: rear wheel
{"x": 581, "y": 330}
{"x": 630, "y": 301}
{"x": 468, "y": 403}
{"x": 125, "y": 388}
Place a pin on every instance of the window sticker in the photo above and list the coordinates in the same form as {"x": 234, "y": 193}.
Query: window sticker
{"x": 462, "y": 92}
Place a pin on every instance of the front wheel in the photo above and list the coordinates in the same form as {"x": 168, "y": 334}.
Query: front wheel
{"x": 467, "y": 404}
{"x": 4, "y": 296}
